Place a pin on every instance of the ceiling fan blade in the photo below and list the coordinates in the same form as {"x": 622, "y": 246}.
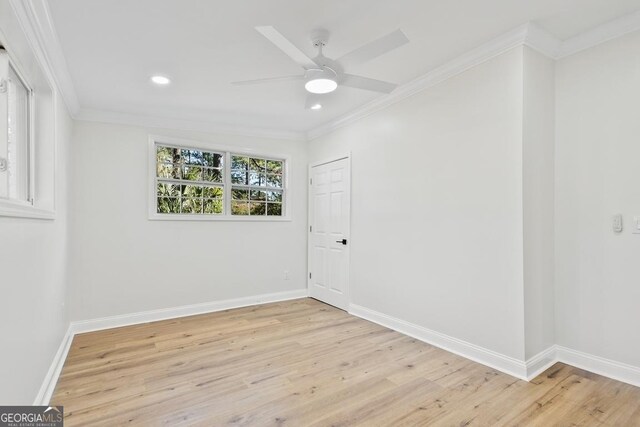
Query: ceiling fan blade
{"x": 367, "y": 83}
{"x": 287, "y": 47}
{"x": 374, "y": 49}
{"x": 268, "y": 80}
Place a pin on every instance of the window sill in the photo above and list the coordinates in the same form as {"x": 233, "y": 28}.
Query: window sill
{"x": 13, "y": 209}
{"x": 169, "y": 217}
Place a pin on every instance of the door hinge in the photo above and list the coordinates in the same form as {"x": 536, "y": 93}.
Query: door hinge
{"x": 310, "y": 228}
{"x": 3, "y": 85}
{"x": 309, "y": 275}
{"x": 310, "y": 181}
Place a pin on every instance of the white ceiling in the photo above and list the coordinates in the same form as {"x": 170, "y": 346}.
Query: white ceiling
{"x": 113, "y": 46}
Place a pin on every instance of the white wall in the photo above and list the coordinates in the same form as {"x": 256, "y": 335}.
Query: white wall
{"x": 124, "y": 263}
{"x": 33, "y": 261}
{"x": 34, "y": 283}
{"x": 597, "y": 176}
{"x": 538, "y": 135}
{"x": 437, "y": 206}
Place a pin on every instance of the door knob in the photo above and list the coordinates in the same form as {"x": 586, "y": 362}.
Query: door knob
{"x": 343, "y": 241}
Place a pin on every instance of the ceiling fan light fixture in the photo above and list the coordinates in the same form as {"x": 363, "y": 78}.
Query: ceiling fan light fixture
{"x": 320, "y": 86}
{"x": 316, "y": 107}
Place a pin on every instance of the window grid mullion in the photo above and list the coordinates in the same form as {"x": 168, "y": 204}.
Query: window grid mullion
{"x": 189, "y": 182}
{"x": 227, "y": 180}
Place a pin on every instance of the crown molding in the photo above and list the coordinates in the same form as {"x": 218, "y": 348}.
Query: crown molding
{"x": 528, "y": 34}
{"x": 35, "y": 18}
{"x": 477, "y": 56}
{"x": 114, "y": 117}
{"x": 542, "y": 41}
{"x": 608, "y": 31}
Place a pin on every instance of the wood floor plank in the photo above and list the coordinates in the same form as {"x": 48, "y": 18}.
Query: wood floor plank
{"x": 304, "y": 363}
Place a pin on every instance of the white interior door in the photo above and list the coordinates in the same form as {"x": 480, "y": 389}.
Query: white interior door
{"x": 329, "y": 216}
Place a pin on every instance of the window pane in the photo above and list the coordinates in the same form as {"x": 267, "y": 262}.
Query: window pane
{"x": 274, "y": 196}
{"x": 257, "y": 165}
{"x": 213, "y": 206}
{"x": 212, "y": 192}
{"x": 239, "y": 163}
{"x": 274, "y": 166}
{"x": 167, "y": 154}
{"x": 239, "y": 177}
{"x": 237, "y": 194}
{"x": 274, "y": 180}
{"x": 193, "y": 157}
{"x": 274, "y": 209}
{"x": 191, "y": 206}
{"x": 168, "y": 171}
{"x": 258, "y": 195}
{"x": 14, "y": 177}
{"x": 192, "y": 173}
{"x": 168, "y": 205}
{"x": 191, "y": 191}
{"x": 239, "y": 208}
{"x": 258, "y": 208}
{"x": 184, "y": 155}
{"x": 212, "y": 175}
{"x": 190, "y": 157}
{"x": 214, "y": 160}
{"x": 257, "y": 179}
{"x": 168, "y": 190}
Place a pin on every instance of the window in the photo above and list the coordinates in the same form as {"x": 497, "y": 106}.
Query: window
{"x": 193, "y": 182}
{"x": 15, "y": 135}
{"x": 189, "y": 181}
{"x": 256, "y": 186}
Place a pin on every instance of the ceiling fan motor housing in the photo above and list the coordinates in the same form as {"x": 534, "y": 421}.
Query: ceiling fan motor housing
{"x": 319, "y": 37}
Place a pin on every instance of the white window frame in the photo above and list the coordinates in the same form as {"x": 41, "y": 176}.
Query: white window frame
{"x": 25, "y": 208}
{"x": 228, "y": 151}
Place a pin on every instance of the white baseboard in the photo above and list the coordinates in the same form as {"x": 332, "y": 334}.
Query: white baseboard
{"x": 51, "y": 379}
{"x": 506, "y": 364}
{"x": 77, "y": 327}
{"x": 527, "y": 370}
{"x": 91, "y": 325}
{"x": 541, "y": 362}
{"x": 599, "y": 365}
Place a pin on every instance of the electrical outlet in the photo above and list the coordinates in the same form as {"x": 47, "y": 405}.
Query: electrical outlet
{"x": 286, "y": 275}
{"x": 636, "y": 225}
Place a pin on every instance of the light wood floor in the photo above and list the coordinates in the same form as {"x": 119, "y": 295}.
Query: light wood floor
{"x": 301, "y": 363}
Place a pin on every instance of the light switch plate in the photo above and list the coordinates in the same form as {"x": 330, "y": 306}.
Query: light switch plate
{"x": 636, "y": 225}
{"x": 617, "y": 223}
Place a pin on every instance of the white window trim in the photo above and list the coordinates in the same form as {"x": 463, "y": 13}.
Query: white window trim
{"x": 210, "y": 146}
{"x": 19, "y": 208}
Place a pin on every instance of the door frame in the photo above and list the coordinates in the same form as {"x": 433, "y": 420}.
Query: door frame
{"x": 347, "y": 156}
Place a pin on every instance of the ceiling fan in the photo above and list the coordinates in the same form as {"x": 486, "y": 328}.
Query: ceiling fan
{"x": 323, "y": 75}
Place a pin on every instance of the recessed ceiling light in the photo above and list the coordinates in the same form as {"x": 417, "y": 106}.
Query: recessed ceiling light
{"x": 321, "y": 85}
{"x": 316, "y": 106}
{"x": 160, "y": 80}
